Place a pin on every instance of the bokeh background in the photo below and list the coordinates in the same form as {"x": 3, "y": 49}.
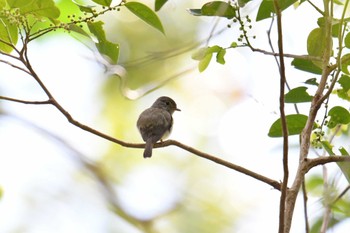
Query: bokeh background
{"x": 227, "y": 110}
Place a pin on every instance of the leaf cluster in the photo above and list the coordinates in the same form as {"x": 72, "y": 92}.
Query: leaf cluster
{"x": 329, "y": 41}
{"x": 31, "y": 19}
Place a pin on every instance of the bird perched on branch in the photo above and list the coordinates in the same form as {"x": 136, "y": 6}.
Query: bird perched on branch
{"x": 155, "y": 123}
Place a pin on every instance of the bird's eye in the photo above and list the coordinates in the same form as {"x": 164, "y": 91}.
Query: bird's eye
{"x": 167, "y": 103}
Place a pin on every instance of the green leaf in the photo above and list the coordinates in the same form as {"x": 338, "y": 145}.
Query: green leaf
{"x": 267, "y": 8}
{"x": 9, "y": 34}
{"x": 104, "y": 46}
{"x": 344, "y": 81}
{"x": 103, "y": 2}
{"x": 312, "y": 81}
{"x": 336, "y": 27}
{"x": 2, "y": 4}
{"x": 199, "y": 54}
{"x": 203, "y": 64}
{"x": 315, "y": 183}
{"x": 328, "y": 147}
{"x": 195, "y": 12}
{"x": 43, "y": 8}
{"x": 220, "y": 56}
{"x": 19, "y": 3}
{"x": 218, "y": 8}
{"x": 146, "y": 14}
{"x": 97, "y": 29}
{"x": 316, "y": 44}
{"x": 345, "y": 63}
{"x": 338, "y": 115}
{"x": 343, "y": 151}
{"x": 202, "y": 52}
{"x": 215, "y": 8}
{"x": 109, "y": 49}
{"x": 214, "y": 49}
{"x": 204, "y": 55}
{"x": 87, "y": 9}
{"x": 242, "y": 3}
{"x": 295, "y": 124}
{"x": 77, "y": 29}
{"x": 158, "y": 4}
{"x": 316, "y": 227}
{"x": 344, "y": 166}
{"x": 343, "y": 94}
{"x": 298, "y": 95}
{"x": 347, "y": 40}
{"x": 306, "y": 65}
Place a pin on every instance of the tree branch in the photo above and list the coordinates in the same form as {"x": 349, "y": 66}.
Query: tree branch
{"x": 25, "y": 101}
{"x": 310, "y": 163}
{"x": 275, "y": 184}
{"x": 15, "y": 66}
{"x": 287, "y": 55}
{"x": 315, "y": 105}
{"x": 306, "y": 218}
{"x": 282, "y": 70}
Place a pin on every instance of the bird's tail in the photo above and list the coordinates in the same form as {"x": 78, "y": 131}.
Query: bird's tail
{"x": 148, "y": 149}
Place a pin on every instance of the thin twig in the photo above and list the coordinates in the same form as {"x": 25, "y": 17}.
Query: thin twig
{"x": 283, "y": 119}
{"x": 306, "y": 218}
{"x": 276, "y": 59}
{"x": 10, "y": 44}
{"x": 270, "y": 42}
{"x": 287, "y": 55}
{"x": 327, "y": 207}
{"x": 316, "y": 8}
{"x": 25, "y": 101}
{"x": 9, "y": 55}
{"x": 15, "y": 66}
{"x": 310, "y": 163}
{"x": 341, "y": 194}
{"x": 275, "y": 184}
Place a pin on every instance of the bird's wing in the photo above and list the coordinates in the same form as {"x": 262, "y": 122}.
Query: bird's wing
{"x": 154, "y": 123}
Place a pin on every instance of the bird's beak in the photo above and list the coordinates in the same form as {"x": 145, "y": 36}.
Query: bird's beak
{"x": 177, "y": 109}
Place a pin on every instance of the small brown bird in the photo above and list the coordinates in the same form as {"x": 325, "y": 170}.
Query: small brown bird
{"x": 155, "y": 123}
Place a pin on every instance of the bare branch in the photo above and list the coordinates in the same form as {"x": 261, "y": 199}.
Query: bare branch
{"x": 275, "y": 184}
{"x": 283, "y": 223}
{"x": 324, "y": 160}
{"x": 25, "y": 101}
{"x": 287, "y": 55}
{"x": 10, "y": 44}
{"x": 342, "y": 194}
{"x": 306, "y": 218}
{"x": 15, "y": 66}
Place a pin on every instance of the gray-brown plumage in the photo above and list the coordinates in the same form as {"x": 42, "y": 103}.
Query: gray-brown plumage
{"x": 155, "y": 123}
